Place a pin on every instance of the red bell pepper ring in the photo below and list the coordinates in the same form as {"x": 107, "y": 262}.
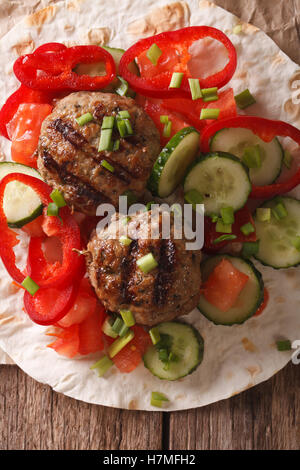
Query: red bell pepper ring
{"x": 158, "y": 86}
{"x": 57, "y": 69}
{"x": 267, "y": 130}
{"x": 65, "y": 228}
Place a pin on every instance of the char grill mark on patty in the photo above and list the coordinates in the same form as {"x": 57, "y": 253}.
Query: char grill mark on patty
{"x": 79, "y": 142}
{"x": 128, "y": 265}
{"x": 83, "y": 189}
{"x": 163, "y": 281}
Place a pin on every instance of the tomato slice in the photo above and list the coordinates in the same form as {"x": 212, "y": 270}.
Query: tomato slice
{"x": 84, "y": 306}
{"x": 24, "y": 130}
{"x": 224, "y": 285}
{"x": 34, "y": 228}
{"x": 50, "y": 304}
{"x": 131, "y": 355}
{"x": 67, "y": 342}
{"x": 90, "y": 332}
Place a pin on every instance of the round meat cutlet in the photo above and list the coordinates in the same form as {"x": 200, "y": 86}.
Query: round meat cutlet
{"x": 170, "y": 290}
{"x": 68, "y": 156}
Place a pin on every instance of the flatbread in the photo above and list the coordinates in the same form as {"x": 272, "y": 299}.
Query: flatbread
{"x": 236, "y": 357}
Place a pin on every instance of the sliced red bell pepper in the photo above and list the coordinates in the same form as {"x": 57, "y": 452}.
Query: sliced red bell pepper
{"x": 24, "y": 131}
{"x": 241, "y": 217}
{"x": 267, "y": 130}
{"x": 179, "y": 42}
{"x": 54, "y": 71}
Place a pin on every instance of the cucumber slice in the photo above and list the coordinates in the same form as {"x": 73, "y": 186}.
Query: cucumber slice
{"x": 276, "y": 237}
{"x": 99, "y": 69}
{"x": 235, "y": 140}
{"x": 248, "y": 301}
{"x": 174, "y": 159}
{"x": 222, "y": 179}
{"x": 186, "y": 344}
{"x": 21, "y": 204}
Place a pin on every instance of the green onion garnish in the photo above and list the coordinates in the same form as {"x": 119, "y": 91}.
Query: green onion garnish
{"x": 107, "y": 328}
{"x": 296, "y": 243}
{"x": 247, "y": 229}
{"x": 250, "y": 249}
{"x": 210, "y": 94}
{"x": 30, "y": 285}
{"x": 123, "y": 330}
{"x": 223, "y": 228}
{"x": 154, "y": 335}
{"x": 105, "y": 140}
{"x": 147, "y": 263}
{"x": 131, "y": 197}
{"x": 125, "y": 240}
{"x": 263, "y": 214}
{"x": 126, "y": 220}
{"x": 244, "y": 99}
{"x": 223, "y": 238}
{"x": 164, "y": 119}
{"x": 117, "y": 325}
{"x": 157, "y": 399}
{"x": 287, "y": 159}
{"x": 123, "y": 88}
{"x": 167, "y": 129}
{"x": 121, "y": 125}
{"x": 120, "y": 343}
{"x": 116, "y": 145}
{"x": 128, "y": 127}
{"x": 128, "y": 317}
{"x": 102, "y": 365}
{"x": 284, "y": 345}
{"x": 58, "y": 198}
{"x": 227, "y": 214}
{"x": 252, "y": 156}
{"x": 176, "y": 80}
{"x": 124, "y": 114}
{"x": 193, "y": 197}
{"x": 195, "y": 88}
{"x": 214, "y": 218}
{"x": 84, "y": 119}
{"x": 107, "y": 165}
{"x": 108, "y": 122}
{"x": 279, "y": 211}
{"x": 209, "y": 113}
{"x": 154, "y": 53}
{"x": 52, "y": 209}
{"x": 149, "y": 205}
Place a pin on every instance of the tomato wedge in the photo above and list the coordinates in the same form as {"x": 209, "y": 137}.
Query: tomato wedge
{"x": 67, "y": 342}
{"x": 90, "y": 332}
{"x": 131, "y": 355}
{"x": 83, "y": 307}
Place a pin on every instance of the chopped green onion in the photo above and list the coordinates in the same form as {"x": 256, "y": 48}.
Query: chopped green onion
{"x": 149, "y": 205}
{"x": 252, "y": 156}
{"x": 108, "y": 122}
{"x": 117, "y": 325}
{"x": 103, "y": 365}
{"x": 30, "y": 285}
{"x": 247, "y": 229}
{"x": 125, "y": 240}
{"x": 223, "y": 238}
{"x": 287, "y": 159}
{"x": 164, "y": 119}
{"x": 123, "y": 88}
{"x": 154, "y": 335}
{"x": 250, "y": 249}
{"x": 214, "y": 218}
{"x": 237, "y": 29}
{"x": 279, "y": 211}
{"x": 124, "y": 114}
{"x": 244, "y": 99}
{"x": 223, "y": 228}
{"x": 163, "y": 355}
{"x": 147, "y": 263}
{"x": 58, "y": 198}
{"x": 116, "y": 145}
{"x": 52, "y": 209}
{"x": 121, "y": 125}
{"x": 154, "y": 53}
{"x": 176, "y": 80}
{"x": 128, "y": 317}
{"x": 107, "y": 165}
{"x": 193, "y": 197}
{"x": 107, "y": 328}
{"x": 84, "y": 119}
{"x": 123, "y": 331}
{"x": 128, "y": 127}
{"x": 126, "y": 220}
{"x": 167, "y": 129}
{"x": 131, "y": 197}
{"x": 195, "y": 88}
{"x": 296, "y": 243}
{"x": 105, "y": 140}
{"x": 263, "y": 214}
{"x": 210, "y": 94}
{"x": 284, "y": 345}
{"x": 120, "y": 343}
{"x": 227, "y": 214}
{"x": 209, "y": 113}
{"x": 157, "y": 399}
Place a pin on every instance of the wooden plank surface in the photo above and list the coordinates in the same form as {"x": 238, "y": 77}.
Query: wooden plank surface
{"x": 265, "y": 417}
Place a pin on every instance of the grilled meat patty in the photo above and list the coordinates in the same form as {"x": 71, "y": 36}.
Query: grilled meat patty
{"x": 168, "y": 291}
{"x": 68, "y": 156}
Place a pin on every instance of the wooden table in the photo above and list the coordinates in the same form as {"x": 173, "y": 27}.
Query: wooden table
{"x": 264, "y": 417}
